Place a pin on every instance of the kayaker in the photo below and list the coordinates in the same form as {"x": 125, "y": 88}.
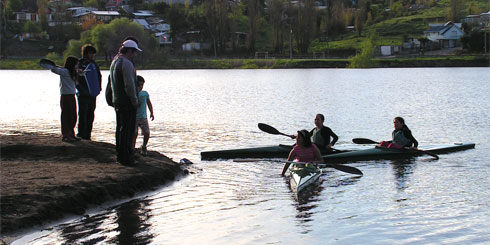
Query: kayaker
{"x": 320, "y": 135}
{"x": 402, "y": 136}
{"x": 303, "y": 151}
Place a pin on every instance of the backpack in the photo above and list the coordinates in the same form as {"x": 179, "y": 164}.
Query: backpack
{"x": 108, "y": 92}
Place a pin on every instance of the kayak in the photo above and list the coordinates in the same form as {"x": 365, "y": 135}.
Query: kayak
{"x": 303, "y": 175}
{"x": 385, "y": 153}
{"x": 274, "y": 151}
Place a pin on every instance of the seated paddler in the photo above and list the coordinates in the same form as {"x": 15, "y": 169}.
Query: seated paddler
{"x": 402, "y": 137}
{"x": 303, "y": 151}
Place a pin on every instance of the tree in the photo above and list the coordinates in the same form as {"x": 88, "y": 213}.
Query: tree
{"x": 42, "y": 10}
{"x": 365, "y": 58}
{"x": 305, "y": 28}
{"x": 31, "y": 27}
{"x": 253, "y": 11}
{"x": 455, "y": 10}
{"x": 277, "y": 17}
{"x": 108, "y": 38}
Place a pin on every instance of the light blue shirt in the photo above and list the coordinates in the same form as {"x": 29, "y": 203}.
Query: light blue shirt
{"x": 143, "y": 97}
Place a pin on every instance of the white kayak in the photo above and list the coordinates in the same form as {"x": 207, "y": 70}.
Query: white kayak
{"x": 303, "y": 175}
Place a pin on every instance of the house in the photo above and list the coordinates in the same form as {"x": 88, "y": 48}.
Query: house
{"x": 114, "y": 4}
{"x": 103, "y": 16}
{"x": 473, "y": 19}
{"x": 77, "y": 13}
{"x": 170, "y": 2}
{"x": 24, "y": 16}
{"x": 446, "y": 35}
{"x": 163, "y": 38}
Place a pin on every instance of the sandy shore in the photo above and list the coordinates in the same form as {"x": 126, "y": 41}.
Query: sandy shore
{"x": 43, "y": 179}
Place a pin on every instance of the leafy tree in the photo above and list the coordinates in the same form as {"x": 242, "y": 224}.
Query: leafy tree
{"x": 473, "y": 8}
{"x": 365, "y": 58}
{"x": 31, "y": 27}
{"x": 253, "y": 11}
{"x": 108, "y": 38}
{"x": 475, "y": 41}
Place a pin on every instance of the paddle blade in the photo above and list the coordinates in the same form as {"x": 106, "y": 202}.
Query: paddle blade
{"x": 347, "y": 169}
{"x": 268, "y": 129}
{"x": 364, "y": 141}
{"x": 47, "y": 64}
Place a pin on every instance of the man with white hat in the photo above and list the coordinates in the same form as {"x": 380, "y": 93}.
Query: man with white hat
{"x": 125, "y": 99}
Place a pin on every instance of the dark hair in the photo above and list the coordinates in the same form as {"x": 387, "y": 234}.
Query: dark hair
{"x": 70, "y": 63}
{"x": 140, "y": 80}
{"x": 306, "y": 137}
{"x": 125, "y": 50}
{"x": 321, "y": 116}
{"x": 88, "y": 48}
{"x": 400, "y": 119}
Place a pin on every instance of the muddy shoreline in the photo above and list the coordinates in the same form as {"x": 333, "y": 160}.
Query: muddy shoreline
{"x": 44, "y": 179}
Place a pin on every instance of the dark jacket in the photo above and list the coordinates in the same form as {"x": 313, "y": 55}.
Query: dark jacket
{"x": 82, "y": 86}
{"x": 406, "y": 138}
{"x": 326, "y": 133}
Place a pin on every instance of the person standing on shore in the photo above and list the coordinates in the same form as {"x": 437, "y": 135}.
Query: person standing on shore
{"x": 68, "y": 104}
{"x": 141, "y": 119}
{"x": 125, "y": 100}
{"x": 89, "y": 86}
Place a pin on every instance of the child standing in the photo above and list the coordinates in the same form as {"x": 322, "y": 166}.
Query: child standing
{"x": 68, "y": 76}
{"x": 141, "y": 119}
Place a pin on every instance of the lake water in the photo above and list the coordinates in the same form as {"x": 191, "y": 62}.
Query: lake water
{"x": 413, "y": 201}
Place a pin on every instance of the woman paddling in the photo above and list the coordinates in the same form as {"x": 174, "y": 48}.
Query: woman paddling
{"x": 303, "y": 151}
{"x": 402, "y": 136}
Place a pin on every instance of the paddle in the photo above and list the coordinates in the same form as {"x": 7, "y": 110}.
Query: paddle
{"x": 47, "y": 64}
{"x": 343, "y": 168}
{"x": 271, "y": 130}
{"x": 368, "y": 141}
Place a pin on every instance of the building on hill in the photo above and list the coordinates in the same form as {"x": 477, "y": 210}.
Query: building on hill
{"x": 445, "y": 35}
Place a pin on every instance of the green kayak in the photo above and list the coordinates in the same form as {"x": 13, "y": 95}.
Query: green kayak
{"x": 384, "y": 153}
{"x": 275, "y": 151}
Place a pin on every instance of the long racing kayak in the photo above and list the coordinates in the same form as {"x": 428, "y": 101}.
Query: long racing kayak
{"x": 275, "y": 151}
{"x": 384, "y": 153}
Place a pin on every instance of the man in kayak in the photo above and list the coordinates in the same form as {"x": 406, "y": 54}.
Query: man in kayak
{"x": 303, "y": 151}
{"x": 402, "y": 136}
{"x": 320, "y": 135}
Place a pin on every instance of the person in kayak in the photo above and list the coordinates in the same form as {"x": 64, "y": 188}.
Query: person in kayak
{"x": 303, "y": 151}
{"x": 402, "y": 136}
{"x": 321, "y": 134}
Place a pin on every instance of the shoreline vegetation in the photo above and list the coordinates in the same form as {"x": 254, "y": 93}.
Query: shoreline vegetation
{"x": 199, "y": 63}
{"x": 44, "y": 179}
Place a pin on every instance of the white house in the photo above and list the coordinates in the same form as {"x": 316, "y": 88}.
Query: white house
{"x": 447, "y": 35}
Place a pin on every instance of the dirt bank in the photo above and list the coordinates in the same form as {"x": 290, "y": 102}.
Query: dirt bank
{"x": 44, "y": 179}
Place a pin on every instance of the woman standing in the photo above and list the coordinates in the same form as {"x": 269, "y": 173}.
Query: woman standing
{"x": 303, "y": 151}
{"x": 68, "y": 76}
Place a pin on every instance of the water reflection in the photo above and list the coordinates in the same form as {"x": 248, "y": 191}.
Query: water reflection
{"x": 402, "y": 170}
{"x": 123, "y": 224}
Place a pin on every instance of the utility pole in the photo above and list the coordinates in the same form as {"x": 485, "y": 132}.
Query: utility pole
{"x": 290, "y": 44}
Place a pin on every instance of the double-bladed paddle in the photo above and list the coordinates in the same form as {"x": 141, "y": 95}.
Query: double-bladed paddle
{"x": 368, "y": 141}
{"x": 271, "y": 130}
{"x": 343, "y": 168}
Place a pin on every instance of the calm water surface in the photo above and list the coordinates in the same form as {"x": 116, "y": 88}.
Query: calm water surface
{"x": 413, "y": 201}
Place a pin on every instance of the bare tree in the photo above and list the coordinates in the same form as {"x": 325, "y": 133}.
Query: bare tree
{"x": 277, "y": 16}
